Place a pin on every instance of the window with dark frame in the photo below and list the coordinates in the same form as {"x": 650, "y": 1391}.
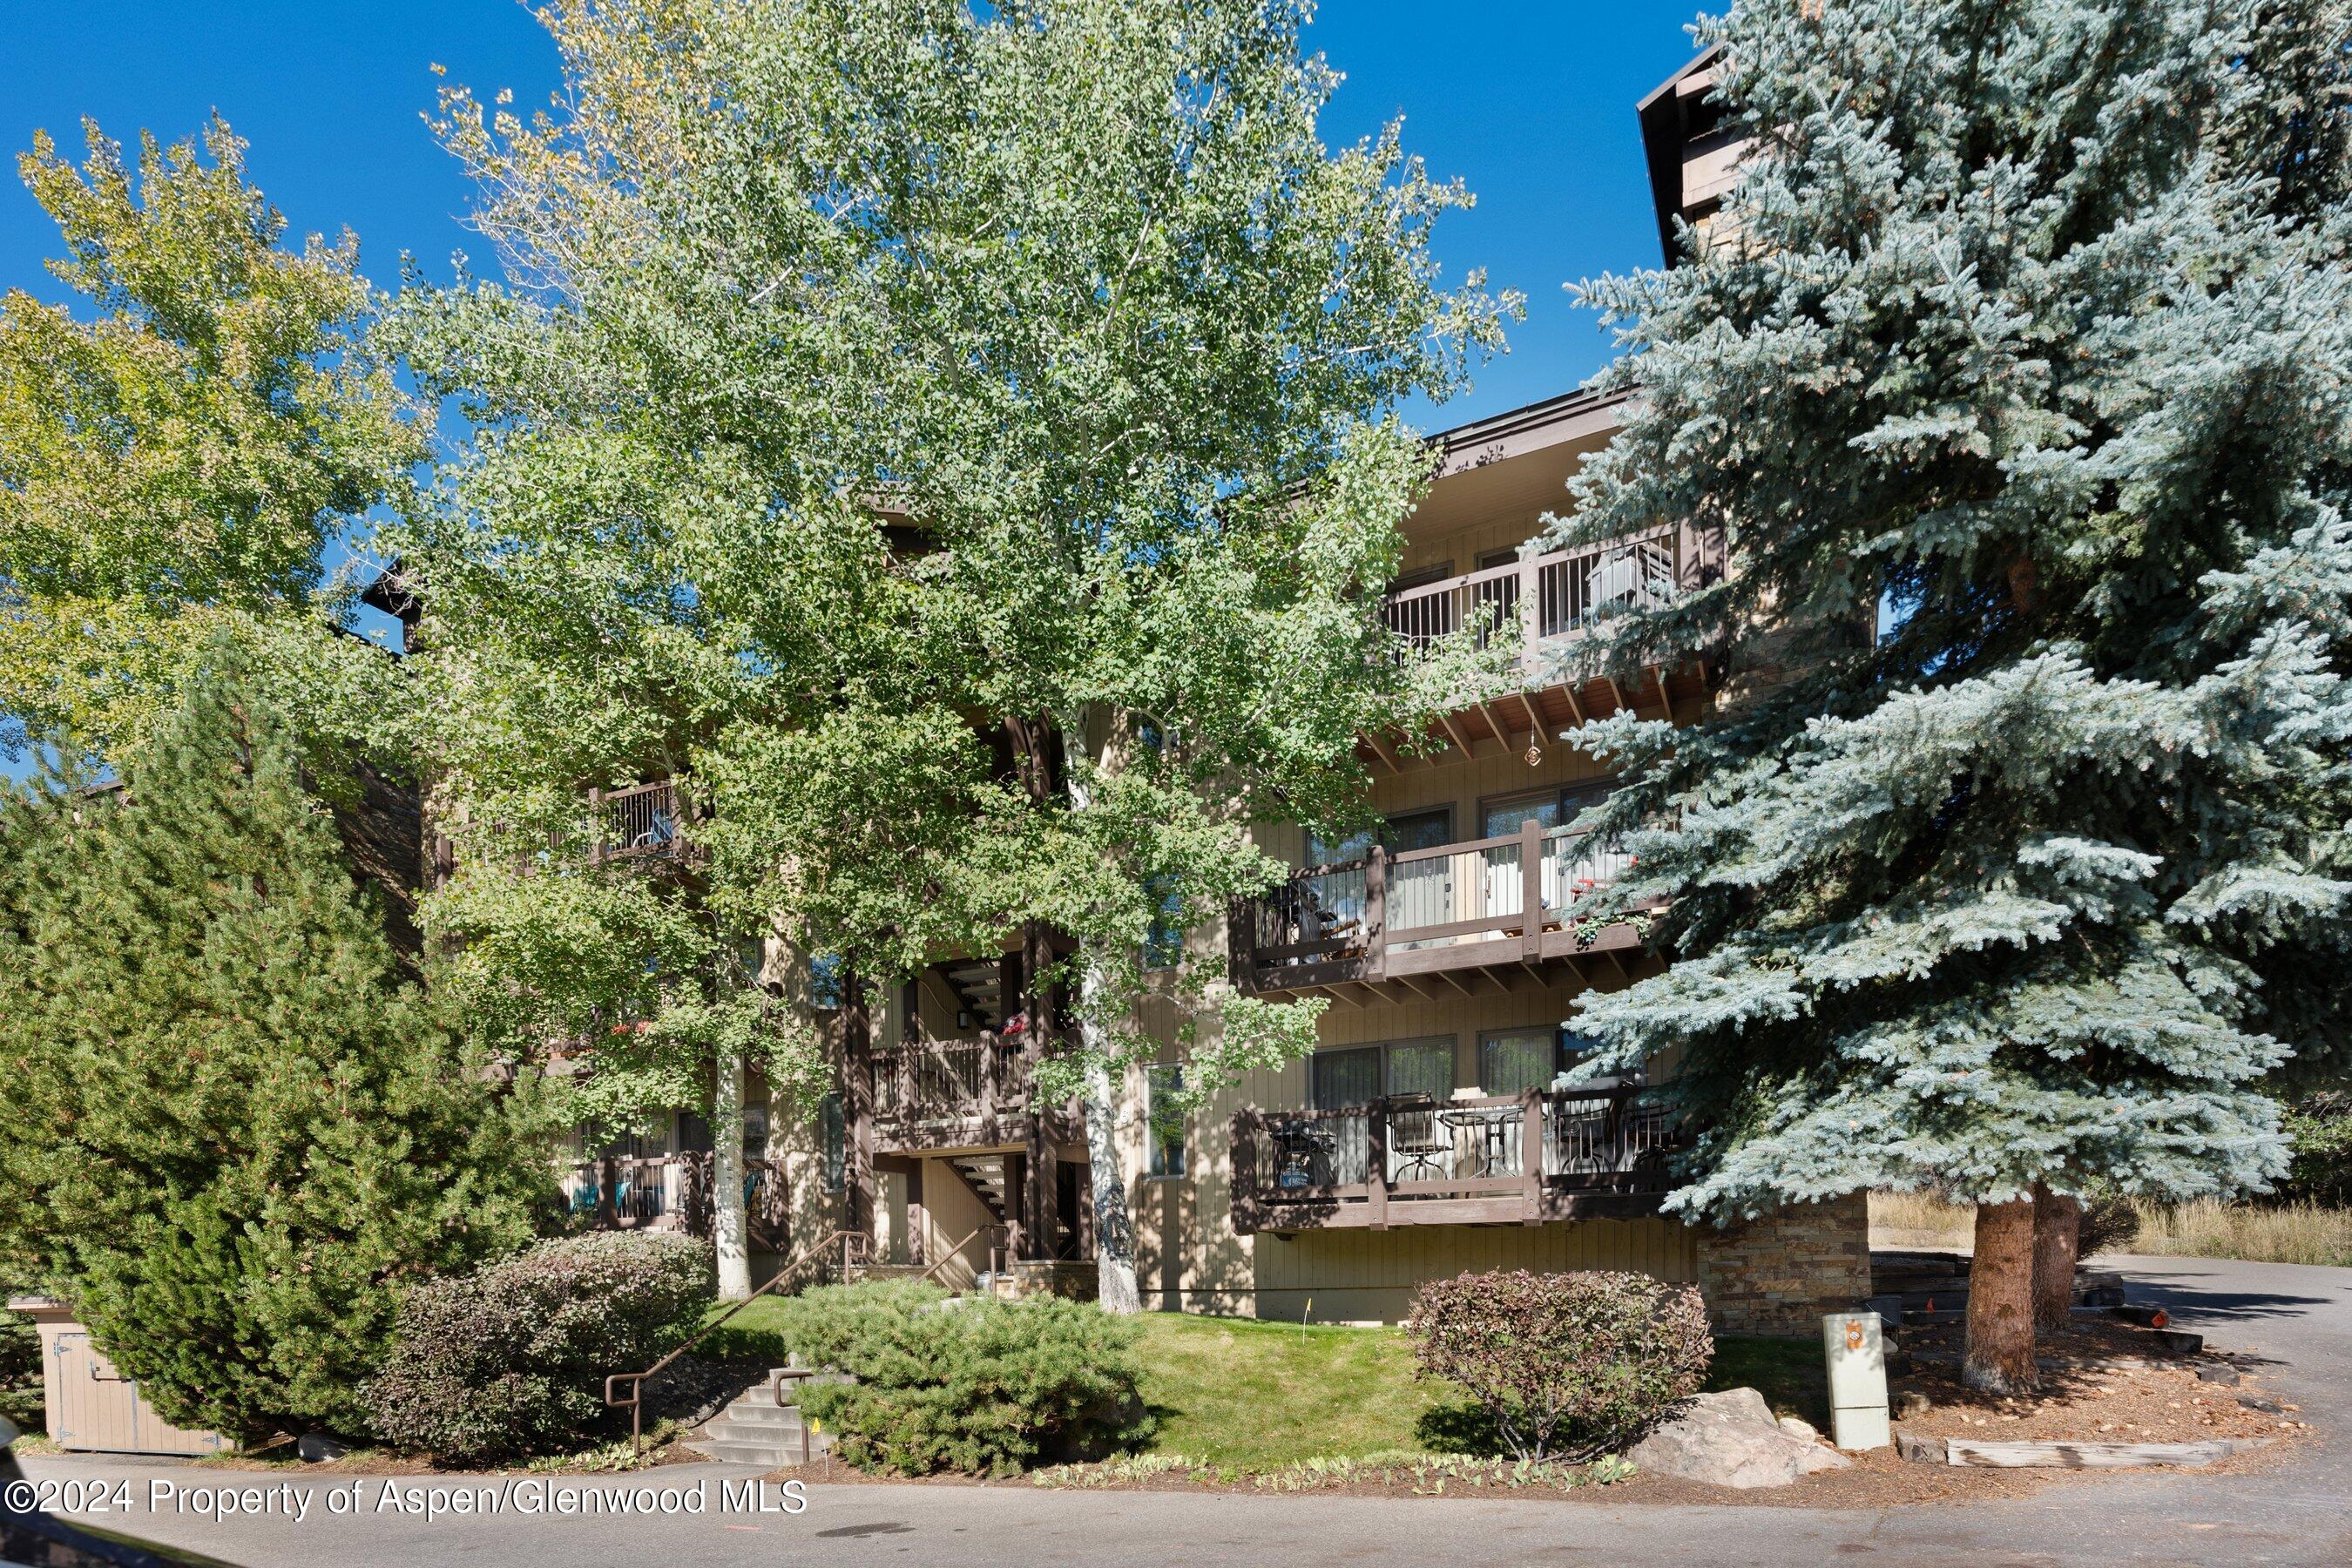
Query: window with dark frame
{"x": 1167, "y": 1128}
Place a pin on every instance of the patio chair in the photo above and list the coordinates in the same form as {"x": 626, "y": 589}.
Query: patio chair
{"x": 1415, "y": 1134}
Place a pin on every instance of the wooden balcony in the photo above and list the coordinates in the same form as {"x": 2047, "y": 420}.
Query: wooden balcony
{"x": 1424, "y": 923}
{"x": 1546, "y": 1154}
{"x": 1537, "y": 605}
{"x": 644, "y": 821}
{"x": 932, "y": 1095}
{"x": 672, "y": 1191}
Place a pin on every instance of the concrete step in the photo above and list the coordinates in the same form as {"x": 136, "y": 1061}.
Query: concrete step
{"x": 756, "y": 1413}
{"x": 727, "y": 1429}
{"x": 767, "y": 1455}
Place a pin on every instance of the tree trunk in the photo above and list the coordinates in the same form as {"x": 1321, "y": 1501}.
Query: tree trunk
{"x": 729, "y": 1225}
{"x": 2057, "y": 1230}
{"x": 1999, "y": 1358}
{"x": 1114, "y": 1227}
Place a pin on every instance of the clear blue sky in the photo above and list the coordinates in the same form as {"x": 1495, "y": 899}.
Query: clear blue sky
{"x": 1530, "y": 102}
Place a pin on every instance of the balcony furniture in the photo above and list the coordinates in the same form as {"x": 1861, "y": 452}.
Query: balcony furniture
{"x": 1489, "y": 1130}
{"x": 1578, "y": 1155}
{"x": 1413, "y": 1122}
{"x": 1299, "y": 1147}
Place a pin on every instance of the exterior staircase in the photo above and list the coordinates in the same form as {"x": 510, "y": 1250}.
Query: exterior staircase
{"x": 754, "y": 1430}
{"x": 985, "y": 1175}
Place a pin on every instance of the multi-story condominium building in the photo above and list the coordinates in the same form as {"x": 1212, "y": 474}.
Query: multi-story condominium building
{"x": 1427, "y": 1133}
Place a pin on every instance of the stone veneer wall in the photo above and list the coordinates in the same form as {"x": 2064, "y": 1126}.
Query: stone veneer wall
{"x": 1782, "y": 1273}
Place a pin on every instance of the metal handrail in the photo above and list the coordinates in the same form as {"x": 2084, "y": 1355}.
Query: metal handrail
{"x": 636, "y": 1380}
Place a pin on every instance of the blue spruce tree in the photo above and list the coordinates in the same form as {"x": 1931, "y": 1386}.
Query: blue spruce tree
{"x": 2017, "y": 376}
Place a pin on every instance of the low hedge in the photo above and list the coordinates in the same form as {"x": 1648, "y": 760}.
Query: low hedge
{"x": 512, "y": 1360}
{"x": 973, "y": 1386}
{"x": 1564, "y": 1365}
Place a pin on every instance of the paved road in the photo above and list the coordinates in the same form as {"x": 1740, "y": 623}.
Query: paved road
{"x": 2294, "y": 1515}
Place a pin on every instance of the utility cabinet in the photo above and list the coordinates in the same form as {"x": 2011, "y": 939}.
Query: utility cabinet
{"x": 92, "y": 1408}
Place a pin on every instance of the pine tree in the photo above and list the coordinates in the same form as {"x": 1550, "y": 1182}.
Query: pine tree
{"x": 2029, "y": 323}
{"x": 240, "y": 1129}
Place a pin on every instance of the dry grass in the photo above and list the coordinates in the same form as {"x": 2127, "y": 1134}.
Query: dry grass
{"x": 2290, "y": 1232}
{"x": 1921, "y": 1220}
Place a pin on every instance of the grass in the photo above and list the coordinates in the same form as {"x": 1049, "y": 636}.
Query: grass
{"x": 1245, "y": 1394}
{"x": 2202, "y": 1228}
{"x": 2291, "y": 1233}
{"x": 755, "y": 1334}
{"x": 1238, "y": 1392}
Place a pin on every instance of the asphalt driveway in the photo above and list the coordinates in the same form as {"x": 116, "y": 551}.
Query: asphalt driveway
{"x": 2300, "y": 1512}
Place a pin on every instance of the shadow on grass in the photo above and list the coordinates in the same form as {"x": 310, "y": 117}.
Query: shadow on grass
{"x": 1460, "y": 1428}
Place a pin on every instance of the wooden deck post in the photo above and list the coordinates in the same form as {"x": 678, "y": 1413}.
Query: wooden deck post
{"x": 857, "y": 1102}
{"x": 1530, "y": 618}
{"x": 1531, "y": 910}
{"x": 916, "y": 1221}
{"x": 1376, "y": 914}
{"x": 1244, "y": 1166}
{"x": 1240, "y": 945}
{"x": 1531, "y": 1172}
{"x": 596, "y": 826}
{"x": 1037, "y": 1199}
{"x": 1376, "y": 1162}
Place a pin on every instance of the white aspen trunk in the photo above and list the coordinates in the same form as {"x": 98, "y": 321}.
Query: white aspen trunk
{"x": 1114, "y": 1227}
{"x": 728, "y": 1228}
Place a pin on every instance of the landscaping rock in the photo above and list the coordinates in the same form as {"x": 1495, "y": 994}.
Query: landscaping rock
{"x": 2257, "y": 1402}
{"x": 1911, "y": 1404}
{"x": 1804, "y": 1431}
{"x": 317, "y": 1447}
{"x": 2221, "y": 1373}
{"x": 2179, "y": 1342}
{"x": 1922, "y": 1450}
{"x": 1731, "y": 1440}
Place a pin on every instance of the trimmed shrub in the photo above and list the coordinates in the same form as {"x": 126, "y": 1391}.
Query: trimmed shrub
{"x": 512, "y": 1360}
{"x": 2106, "y": 1222}
{"x": 2319, "y": 1168}
{"x": 973, "y": 1386}
{"x": 1566, "y": 1364}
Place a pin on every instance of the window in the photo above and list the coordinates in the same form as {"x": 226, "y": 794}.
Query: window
{"x": 1163, "y": 942}
{"x": 1574, "y": 1047}
{"x": 826, "y": 972}
{"x": 1406, "y": 830}
{"x": 1160, "y": 1081}
{"x": 1364, "y": 1073}
{"x": 755, "y": 1132}
{"x": 837, "y": 1141}
{"x": 1343, "y": 1078}
{"x": 1513, "y": 1061}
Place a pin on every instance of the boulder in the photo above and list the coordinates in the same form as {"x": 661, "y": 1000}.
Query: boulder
{"x": 1731, "y": 1440}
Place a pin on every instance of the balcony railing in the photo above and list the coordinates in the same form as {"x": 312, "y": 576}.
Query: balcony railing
{"x": 645, "y": 819}
{"x": 672, "y": 1191}
{"x": 1360, "y": 913}
{"x": 1539, "y": 598}
{"x": 944, "y": 1084}
{"x": 1544, "y": 1154}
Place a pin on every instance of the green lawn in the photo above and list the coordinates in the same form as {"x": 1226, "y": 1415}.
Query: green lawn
{"x": 1235, "y": 1391}
{"x": 1239, "y": 1392}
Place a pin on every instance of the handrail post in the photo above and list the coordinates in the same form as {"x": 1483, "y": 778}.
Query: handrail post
{"x": 991, "y": 1077}
{"x": 1376, "y": 1164}
{"x": 1376, "y": 914}
{"x": 1531, "y": 910}
{"x": 1245, "y": 1163}
{"x": 596, "y": 826}
{"x": 1531, "y": 1172}
{"x": 1530, "y": 618}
